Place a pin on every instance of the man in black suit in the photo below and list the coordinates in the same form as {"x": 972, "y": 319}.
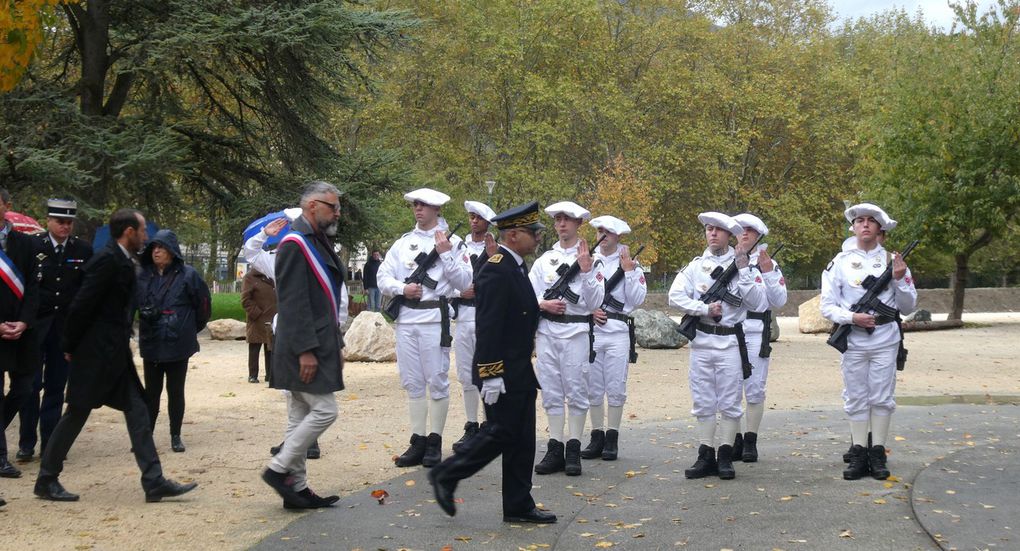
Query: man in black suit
{"x": 19, "y": 301}
{"x": 60, "y": 258}
{"x": 506, "y": 320}
{"x": 96, "y": 342}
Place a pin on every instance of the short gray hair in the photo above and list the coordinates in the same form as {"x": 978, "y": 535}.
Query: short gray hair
{"x": 317, "y": 187}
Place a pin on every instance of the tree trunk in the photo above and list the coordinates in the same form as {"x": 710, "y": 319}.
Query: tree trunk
{"x": 214, "y": 245}
{"x": 959, "y": 285}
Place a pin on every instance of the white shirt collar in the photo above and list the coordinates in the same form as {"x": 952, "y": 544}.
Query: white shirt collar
{"x": 55, "y": 242}
{"x": 517, "y": 258}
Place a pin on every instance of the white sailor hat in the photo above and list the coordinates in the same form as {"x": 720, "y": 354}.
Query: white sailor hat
{"x": 748, "y": 220}
{"x": 481, "y": 209}
{"x": 427, "y": 196}
{"x": 611, "y": 224}
{"x": 61, "y": 208}
{"x": 721, "y": 220}
{"x": 569, "y": 208}
{"x": 867, "y": 209}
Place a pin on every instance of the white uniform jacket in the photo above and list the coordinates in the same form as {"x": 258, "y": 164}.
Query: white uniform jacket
{"x": 775, "y": 292}
{"x": 631, "y": 291}
{"x": 466, "y": 252}
{"x": 588, "y": 288}
{"x": 449, "y": 271}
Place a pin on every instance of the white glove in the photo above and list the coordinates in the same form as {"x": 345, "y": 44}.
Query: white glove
{"x": 491, "y": 389}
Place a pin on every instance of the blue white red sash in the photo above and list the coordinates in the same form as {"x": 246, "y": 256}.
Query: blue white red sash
{"x": 318, "y": 265}
{"x": 11, "y": 276}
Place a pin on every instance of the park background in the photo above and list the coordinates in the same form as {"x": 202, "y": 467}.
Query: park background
{"x": 208, "y": 114}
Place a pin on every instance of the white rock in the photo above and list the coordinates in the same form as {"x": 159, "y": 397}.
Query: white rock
{"x": 370, "y": 339}
{"x": 226, "y": 330}
{"x": 809, "y": 317}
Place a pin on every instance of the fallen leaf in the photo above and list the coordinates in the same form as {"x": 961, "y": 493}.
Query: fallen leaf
{"x": 604, "y": 544}
{"x": 586, "y": 534}
{"x": 899, "y": 438}
{"x": 787, "y": 498}
{"x": 879, "y": 501}
{"x": 950, "y": 492}
{"x": 463, "y": 538}
{"x": 380, "y": 495}
{"x": 409, "y": 483}
{"x": 846, "y": 534}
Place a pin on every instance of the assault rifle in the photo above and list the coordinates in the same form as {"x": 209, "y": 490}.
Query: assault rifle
{"x": 719, "y": 291}
{"x": 419, "y": 275}
{"x": 869, "y": 303}
{"x": 567, "y": 274}
{"x": 614, "y": 281}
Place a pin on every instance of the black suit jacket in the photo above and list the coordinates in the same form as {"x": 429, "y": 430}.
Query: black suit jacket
{"x": 15, "y": 356}
{"x": 506, "y": 318}
{"x": 98, "y": 331}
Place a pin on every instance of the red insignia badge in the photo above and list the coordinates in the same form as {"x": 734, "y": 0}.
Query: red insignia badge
{"x": 782, "y": 281}
{"x": 598, "y": 276}
{"x": 909, "y": 280}
{"x": 642, "y": 280}
{"x": 757, "y": 279}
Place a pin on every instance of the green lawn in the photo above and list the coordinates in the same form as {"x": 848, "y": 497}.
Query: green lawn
{"x": 227, "y": 305}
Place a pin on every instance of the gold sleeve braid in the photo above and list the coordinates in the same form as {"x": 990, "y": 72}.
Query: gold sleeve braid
{"x": 489, "y": 370}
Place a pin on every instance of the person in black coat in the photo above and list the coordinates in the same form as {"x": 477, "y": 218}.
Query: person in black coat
{"x": 173, "y": 306}
{"x": 506, "y": 319}
{"x": 60, "y": 257}
{"x": 371, "y": 282}
{"x": 19, "y": 301}
{"x": 96, "y": 342}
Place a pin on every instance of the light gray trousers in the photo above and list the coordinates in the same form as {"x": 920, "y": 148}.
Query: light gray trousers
{"x": 308, "y": 416}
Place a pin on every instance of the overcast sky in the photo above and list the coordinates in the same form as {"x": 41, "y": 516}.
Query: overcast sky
{"x": 936, "y": 12}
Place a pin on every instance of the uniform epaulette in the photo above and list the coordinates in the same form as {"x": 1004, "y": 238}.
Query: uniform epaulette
{"x": 496, "y": 258}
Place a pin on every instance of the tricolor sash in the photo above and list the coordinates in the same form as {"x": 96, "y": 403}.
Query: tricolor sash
{"x": 11, "y": 277}
{"x": 318, "y": 265}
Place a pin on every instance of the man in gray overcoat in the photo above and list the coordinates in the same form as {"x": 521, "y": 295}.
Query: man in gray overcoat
{"x": 306, "y": 354}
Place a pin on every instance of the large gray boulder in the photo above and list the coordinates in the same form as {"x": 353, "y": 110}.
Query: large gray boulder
{"x": 810, "y": 318}
{"x": 226, "y": 330}
{"x": 654, "y": 329}
{"x": 370, "y": 339}
{"x": 919, "y": 315}
{"x": 775, "y": 328}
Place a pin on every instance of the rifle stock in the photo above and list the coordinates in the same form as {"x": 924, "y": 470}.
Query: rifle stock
{"x": 841, "y": 332}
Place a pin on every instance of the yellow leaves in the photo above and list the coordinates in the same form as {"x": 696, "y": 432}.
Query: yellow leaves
{"x": 21, "y": 29}
{"x": 899, "y": 438}
{"x": 409, "y": 483}
{"x": 604, "y": 544}
{"x": 463, "y": 538}
{"x": 846, "y": 534}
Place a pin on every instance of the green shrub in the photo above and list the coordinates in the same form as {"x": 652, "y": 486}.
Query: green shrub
{"x": 227, "y": 306}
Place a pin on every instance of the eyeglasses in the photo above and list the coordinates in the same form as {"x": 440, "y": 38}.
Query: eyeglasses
{"x": 334, "y": 206}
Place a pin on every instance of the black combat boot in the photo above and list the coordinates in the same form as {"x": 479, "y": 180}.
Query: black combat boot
{"x": 705, "y": 465}
{"x": 470, "y": 429}
{"x": 750, "y": 454}
{"x": 846, "y": 456}
{"x": 573, "y": 457}
{"x": 553, "y": 462}
{"x": 414, "y": 452}
{"x": 876, "y": 459}
{"x": 433, "y": 450}
{"x": 858, "y": 463}
{"x": 738, "y": 447}
{"x": 610, "y": 450}
{"x": 594, "y": 449}
{"x": 725, "y": 463}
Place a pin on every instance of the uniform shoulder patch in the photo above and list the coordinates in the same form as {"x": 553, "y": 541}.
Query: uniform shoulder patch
{"x": 496, "y": 258}
{"x": 829, "y": 267}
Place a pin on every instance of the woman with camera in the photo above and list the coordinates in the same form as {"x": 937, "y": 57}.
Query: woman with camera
{"x": 173, "y": 306}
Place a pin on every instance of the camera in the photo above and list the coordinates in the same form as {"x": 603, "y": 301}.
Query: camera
{"x": 149, "y": 313}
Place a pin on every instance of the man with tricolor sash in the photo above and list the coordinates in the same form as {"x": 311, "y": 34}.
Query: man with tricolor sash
{"x": 19, "y": 302}
{"x": 307, "y": 360}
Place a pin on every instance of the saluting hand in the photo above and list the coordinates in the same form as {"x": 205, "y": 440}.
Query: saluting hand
{"x": 899, "y": 267}
{"x": 442, "y": 242}
{"x": 740, "y": 257}
{"x": 309, "y": 365}
{"x": 626, "y": 262}
{"x": 765, "y": 263}
{"x": 584, "y": 259}
{"x": 275, "y": 226}
{"x": 491, "y": 247}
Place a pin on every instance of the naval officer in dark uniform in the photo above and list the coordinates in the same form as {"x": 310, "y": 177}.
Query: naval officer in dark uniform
{"x": 61, "y": 257}
{"x": 506, "y": 320}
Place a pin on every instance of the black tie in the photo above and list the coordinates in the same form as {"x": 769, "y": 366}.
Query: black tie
{"x": 60, "y": 250}
{"x": 524, "y": 268}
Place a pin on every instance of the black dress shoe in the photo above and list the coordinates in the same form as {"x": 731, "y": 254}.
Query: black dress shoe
{"x": 280, "y": 483}
{"x": 7, "y": 470}
{"x": 176, "y": 444}
{"x": 313, "y": 451}
{"x": 2, "y": 502}
{"x": 311, "y": 501}
{"x": 24, "y": 455}
{"x": 168, "y": 488}
{"x": 443, "y": 491}
{"x": 534, "y": 516}
{"x": 53, "y": 491}
{"x": 253, "y": 379}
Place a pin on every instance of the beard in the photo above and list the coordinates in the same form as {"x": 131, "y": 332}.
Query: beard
{"x": 328, "y": 228}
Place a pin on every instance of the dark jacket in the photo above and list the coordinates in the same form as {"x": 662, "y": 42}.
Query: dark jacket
{"x": 368, "y": 277}
{"x": 17, "y": 356}
{"x": 304, "y": 322}
{"x": 506, "y": 318}
{"x": 172, "y": 307}
{"x": 59, "y": 279}
{"x": 258, "y": 298}
{"x": 98, "y": 331}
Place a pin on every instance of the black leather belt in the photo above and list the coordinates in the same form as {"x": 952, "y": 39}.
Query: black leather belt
{"x": 618, "y": 317}
{"x": 717, "y": 329}
{"x": 566, "y": 318}
{"x": 421, "y": 304}
{"x": 737, "y": 330}
{"x": 463, "y": 302}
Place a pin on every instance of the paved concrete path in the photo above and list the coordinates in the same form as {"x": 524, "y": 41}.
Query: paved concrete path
{"x": 954, "y": 485}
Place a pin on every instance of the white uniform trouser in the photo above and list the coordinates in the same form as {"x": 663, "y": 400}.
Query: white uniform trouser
{"x": 716, "y": 380}
{"x": 608, "y": 377}
{"x": 869, "y": 380}
{"x": 754, "y": 386}
{"x": 464, "y": 342}
{"x": 308, "y": 416}
{"x": 422, "y": 363}
{"x": 562, "y": 369}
